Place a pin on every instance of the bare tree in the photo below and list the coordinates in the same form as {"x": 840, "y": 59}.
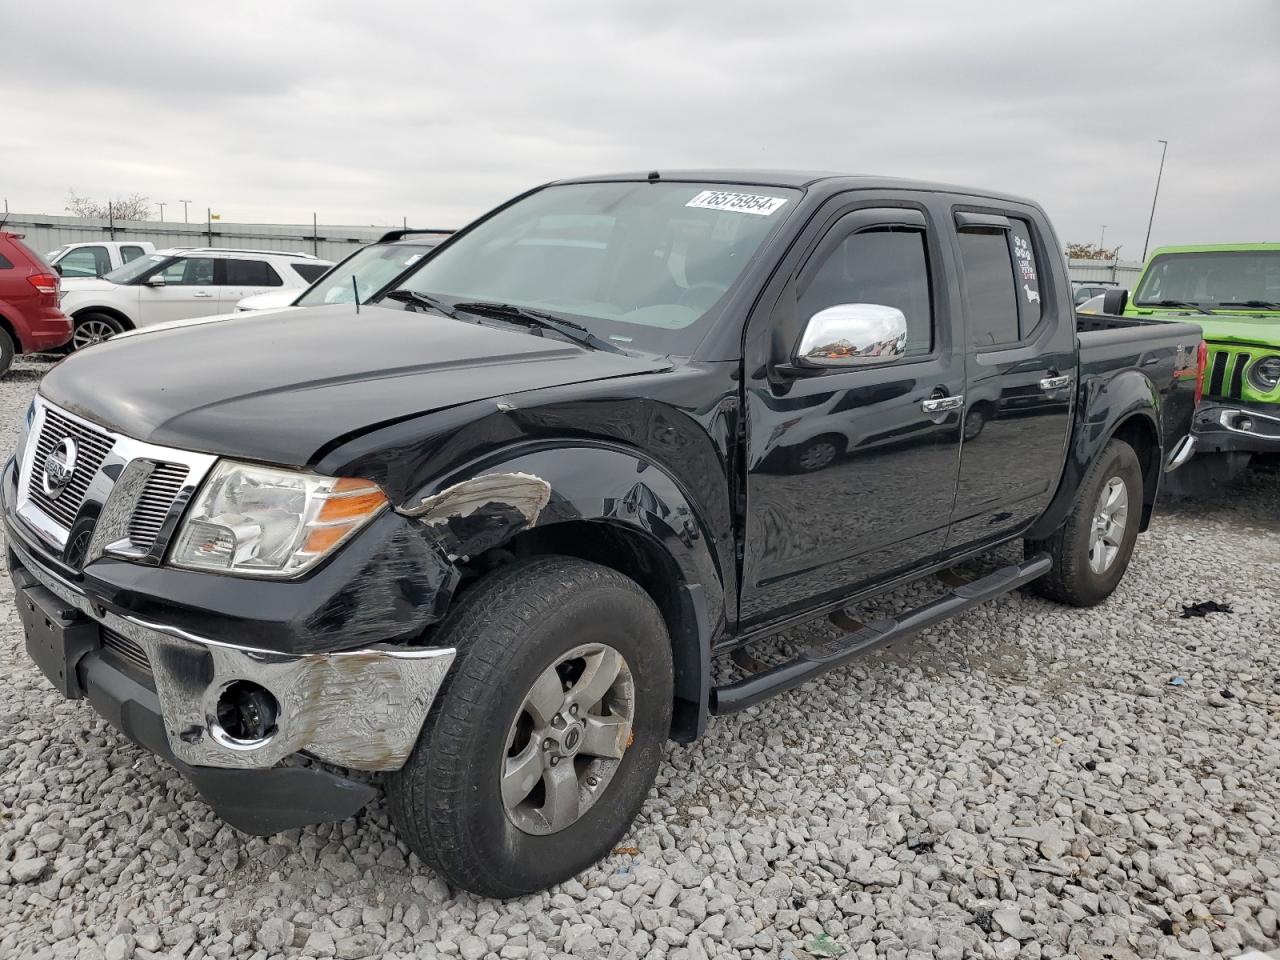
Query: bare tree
{"x": 1091, "y": 251}
{"x": 135, "y": 206}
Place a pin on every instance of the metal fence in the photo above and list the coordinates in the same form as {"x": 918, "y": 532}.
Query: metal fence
{"x": 45, "y": 233}
{"x": 1123, "y": 273}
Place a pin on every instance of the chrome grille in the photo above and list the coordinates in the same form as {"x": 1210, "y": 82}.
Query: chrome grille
{"x": 126, "y": 649}
{"x": 153, "y": 506}
{"x": 92, "y": 448}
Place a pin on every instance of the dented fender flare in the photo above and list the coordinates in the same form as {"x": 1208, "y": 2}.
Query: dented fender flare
{"x": 497, "y": 500}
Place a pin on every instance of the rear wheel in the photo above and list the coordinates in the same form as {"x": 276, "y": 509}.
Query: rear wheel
{"x": 1092, "y": 549}
{"x": 545, "y": 739}
{"x": 93, "y": 328}
{"x": 8, "y": 351}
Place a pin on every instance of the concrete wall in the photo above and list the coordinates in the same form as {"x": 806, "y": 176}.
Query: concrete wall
{"x": 45, "y": 233}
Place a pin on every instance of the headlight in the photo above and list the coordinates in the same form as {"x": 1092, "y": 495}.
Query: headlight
{"x": 264, "y": 522}
{"x": 1265, "y": 373}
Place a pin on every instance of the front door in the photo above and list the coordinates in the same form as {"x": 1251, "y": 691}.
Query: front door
{"x": 851, "y": 472}
{"x": 1021, "y": 375}
{"x": 190, "y": 290}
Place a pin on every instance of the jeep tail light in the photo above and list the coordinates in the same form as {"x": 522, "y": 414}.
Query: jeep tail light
{"x": 46, "y": 283}
{"x": 1202, "y": 361}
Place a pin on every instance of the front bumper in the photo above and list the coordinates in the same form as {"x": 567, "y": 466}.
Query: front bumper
{"x": 360, "y": 708}
{"x": 1235, "y": 426}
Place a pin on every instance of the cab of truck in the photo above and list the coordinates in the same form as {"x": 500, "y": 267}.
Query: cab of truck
{"x": 1232, "y": 291}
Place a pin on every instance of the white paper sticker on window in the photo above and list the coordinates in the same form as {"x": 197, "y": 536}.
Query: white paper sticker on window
{"x": 738, "y": 202}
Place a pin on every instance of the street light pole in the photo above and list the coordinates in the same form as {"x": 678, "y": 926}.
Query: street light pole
{"x": 1156, "y": 196}
{"x": 161, "y": 206}
{"x": 184, "y": 210}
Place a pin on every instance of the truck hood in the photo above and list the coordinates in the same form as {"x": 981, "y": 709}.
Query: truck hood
{"x": 278, "y": 388}
{"x": 1230, "y": 327}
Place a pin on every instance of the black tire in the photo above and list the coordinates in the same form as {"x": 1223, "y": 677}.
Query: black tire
{"x": 91, "y": 320}
{"x": 8, "y": 351}
{"x": 974, "y": 422}
{"x": 446, "y": 801}
{"x": 1072, "y": 580}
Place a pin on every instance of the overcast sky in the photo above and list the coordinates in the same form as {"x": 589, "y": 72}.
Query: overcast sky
{"x": 367, "y": 112}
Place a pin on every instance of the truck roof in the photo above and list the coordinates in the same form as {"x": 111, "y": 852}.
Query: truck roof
{"x": 824, "y": 181}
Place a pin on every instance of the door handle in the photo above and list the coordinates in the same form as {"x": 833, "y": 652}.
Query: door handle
{"x": 1055, "y": 382}
{"x": 202, "y": 293}
{"x": 941, "y": 404}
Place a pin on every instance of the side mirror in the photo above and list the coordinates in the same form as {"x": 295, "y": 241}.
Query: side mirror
{"x": 852, "y": 335}
{"x": 155, "y": 280}
{"x": 1114, "y": 301}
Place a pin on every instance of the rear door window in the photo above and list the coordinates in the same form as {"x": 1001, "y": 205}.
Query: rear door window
{"x": 130, "y": 253}
{"x": 990, "y": 294}
{"x": 252, "y": 273}
{"x": 1027, "y": 268}
{"x": 310, "y": 272}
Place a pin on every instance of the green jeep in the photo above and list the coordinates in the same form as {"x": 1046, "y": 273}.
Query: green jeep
{"x": 1232, "y": 290}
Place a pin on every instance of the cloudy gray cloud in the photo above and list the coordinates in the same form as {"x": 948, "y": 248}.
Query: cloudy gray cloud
{"x": 369, "y": 112}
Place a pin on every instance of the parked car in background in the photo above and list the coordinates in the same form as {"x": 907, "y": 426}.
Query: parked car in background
{"x": 30, "y": 318}
{"x": 1232, "y": 290}
{"x": 1086, "y": 291}
{"x": 372, "y": 267}
{"x": 485, "y": 535}
{"x": 96, "y": 258}
{"x": 178, "y": 284}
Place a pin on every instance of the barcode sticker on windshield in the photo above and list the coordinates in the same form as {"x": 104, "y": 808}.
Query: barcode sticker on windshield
{"x": 738, "y": 202}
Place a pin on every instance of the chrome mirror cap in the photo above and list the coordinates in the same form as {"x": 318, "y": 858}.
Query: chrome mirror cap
{"x": 853, "y": 335}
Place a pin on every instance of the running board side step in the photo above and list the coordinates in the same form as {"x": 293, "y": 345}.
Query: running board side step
{"x": 826, "y": 655}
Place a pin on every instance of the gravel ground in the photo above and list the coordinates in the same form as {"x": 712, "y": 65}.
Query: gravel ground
{"x": 1025, "y": 781}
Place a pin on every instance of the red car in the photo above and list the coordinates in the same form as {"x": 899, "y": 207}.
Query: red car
{"x": 30, "y": 321}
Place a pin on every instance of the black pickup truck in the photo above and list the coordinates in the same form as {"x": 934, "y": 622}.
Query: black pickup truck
{"x": 485, "y": 535}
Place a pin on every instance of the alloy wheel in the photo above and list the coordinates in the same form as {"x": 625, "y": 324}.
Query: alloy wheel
{"x": 567, "y": 739}
{"x": 1109, "y": 520}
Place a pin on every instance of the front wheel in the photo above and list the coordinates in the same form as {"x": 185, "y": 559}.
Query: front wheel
{"x": 1092, "y": 549}
{"x": 8, "y": 351}
{"x": 91, "y": 328}
{"x": 546, "y": 736}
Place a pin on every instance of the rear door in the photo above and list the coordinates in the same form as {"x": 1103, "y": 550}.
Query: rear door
{"x": 1021, "y": 364}
{"x": 849, "y": 478}
{"x": 244, "y": 278}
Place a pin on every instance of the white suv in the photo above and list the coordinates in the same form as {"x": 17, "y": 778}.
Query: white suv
{"x": 177, "y": 284}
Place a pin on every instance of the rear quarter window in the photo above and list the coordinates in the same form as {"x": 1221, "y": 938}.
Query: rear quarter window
{"x": 310, "y": 272}
{"x": 4, "y": 263}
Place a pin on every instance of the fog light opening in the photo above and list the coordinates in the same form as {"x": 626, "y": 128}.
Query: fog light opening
{"x": 246, "y": 715}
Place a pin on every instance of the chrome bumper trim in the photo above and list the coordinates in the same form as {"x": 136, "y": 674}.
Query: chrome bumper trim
{"x": 355, "y": 708}
{"x": 1182, "y": 452}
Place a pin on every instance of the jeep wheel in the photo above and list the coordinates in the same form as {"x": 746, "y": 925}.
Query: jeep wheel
{"x": 1091, "y": 550}
{"x": 93, "y": 328}
{"x": 545, "y": 738}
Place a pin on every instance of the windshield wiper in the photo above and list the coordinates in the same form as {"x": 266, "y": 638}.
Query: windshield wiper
{"x": 1256, "y": 304}
{"x": 1183, "y": 303}
{"x": 529, "y": 317}
{"x": 423, "y": 300}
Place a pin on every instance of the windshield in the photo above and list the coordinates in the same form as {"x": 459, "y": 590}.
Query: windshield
{"x": 135, "y": 268}
{"x": 1212, "y": 279}
{"x": 373, "y": 268}
{"x": 639, "y": 264}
